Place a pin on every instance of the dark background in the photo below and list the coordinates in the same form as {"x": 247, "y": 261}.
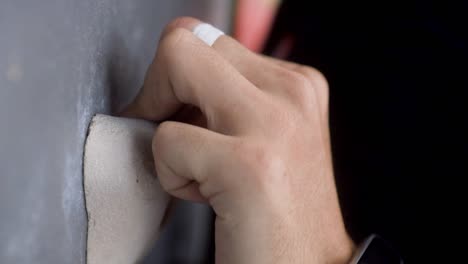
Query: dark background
{"x": 398, "y": 111}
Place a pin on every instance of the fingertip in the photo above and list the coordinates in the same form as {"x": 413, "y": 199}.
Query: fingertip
{"x": 190, "y": 192}
{"x": 136, "y": 109}
{"x": 129, "y": 111}
{"x": 161, "y": 136}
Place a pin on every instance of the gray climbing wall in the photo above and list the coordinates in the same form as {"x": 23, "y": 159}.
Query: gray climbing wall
{"x": 62, "y": 61}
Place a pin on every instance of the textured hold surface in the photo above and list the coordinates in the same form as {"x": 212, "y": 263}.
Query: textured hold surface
{"x": 124, "y": 200}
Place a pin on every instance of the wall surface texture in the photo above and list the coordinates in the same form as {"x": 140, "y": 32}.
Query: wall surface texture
{"x": 62, "y": 61}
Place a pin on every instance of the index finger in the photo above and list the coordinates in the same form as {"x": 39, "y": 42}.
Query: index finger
{"x": 187, "y": 71}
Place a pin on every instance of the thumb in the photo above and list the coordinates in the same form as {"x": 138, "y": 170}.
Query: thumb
{"x": 188, "y": 160}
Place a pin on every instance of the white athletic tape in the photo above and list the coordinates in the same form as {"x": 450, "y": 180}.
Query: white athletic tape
{"x": 207, "y": 33}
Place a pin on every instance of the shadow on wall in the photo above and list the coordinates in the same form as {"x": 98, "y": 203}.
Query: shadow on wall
{"x": 119, "y": 76}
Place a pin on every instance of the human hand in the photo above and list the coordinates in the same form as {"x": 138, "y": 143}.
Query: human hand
{"x": 253, "y": 142}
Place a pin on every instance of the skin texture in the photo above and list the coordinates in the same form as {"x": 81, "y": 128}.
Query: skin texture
{"x": 250, "y": 138}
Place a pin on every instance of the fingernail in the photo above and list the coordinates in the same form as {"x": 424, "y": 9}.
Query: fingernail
{"x": 207, "y": 33}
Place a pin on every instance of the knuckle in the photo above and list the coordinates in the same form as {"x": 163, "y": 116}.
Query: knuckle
{"x": 239, "y": 150}
{"x": 315, "y": 76}
{"x": 259, "y": 163}
{"x": 309, "y": 87}
{"x": 171, "y": 42}
{"x": 298, "y": 81}
{"x": 317, "y": 80}
{"x": 180, "y": 22}
{"x": 265, "y": 161}
{"x": 175, "y": 48}
{"x": 300, "y": 88}
{"x": 163, "y": 131}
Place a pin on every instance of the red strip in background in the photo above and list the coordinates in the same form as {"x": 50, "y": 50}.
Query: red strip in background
{"x": 253, "y": 22}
